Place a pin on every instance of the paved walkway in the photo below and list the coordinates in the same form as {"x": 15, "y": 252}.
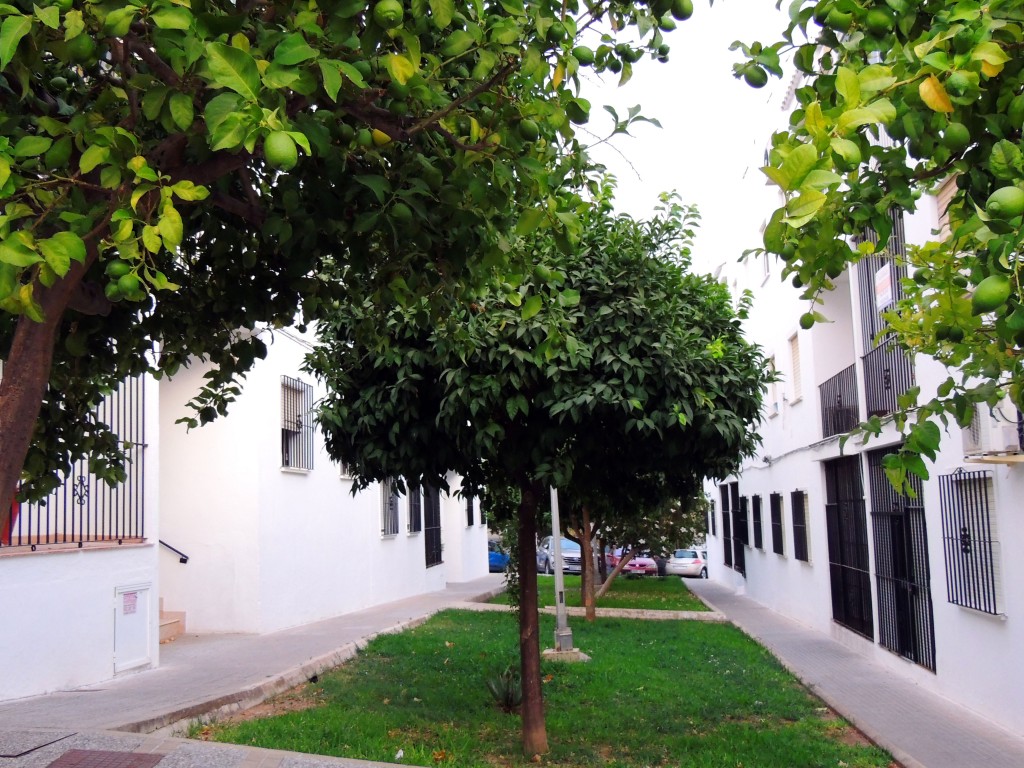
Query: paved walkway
{"x": 920, "y": 729}
{"x": 200, "y": 675}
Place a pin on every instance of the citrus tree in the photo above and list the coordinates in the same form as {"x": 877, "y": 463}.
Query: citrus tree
{"x": 607, "y": 367}
{"x": 894, "y": 98}
{"x": 174, "y": 174}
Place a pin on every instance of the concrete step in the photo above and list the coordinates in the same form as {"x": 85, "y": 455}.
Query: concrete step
{"x": 172, "y": 625}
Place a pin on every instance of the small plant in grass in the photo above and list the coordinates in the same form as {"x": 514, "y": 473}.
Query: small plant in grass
{"x": 506, "y": 688}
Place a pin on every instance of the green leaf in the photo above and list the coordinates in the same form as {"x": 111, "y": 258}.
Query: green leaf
{"x": 17, "y": 254}
{"x": 234, "y": 69}
{"x": 803, "y": 208}
{"x": 119, "y": 21}
{"x": 220, "y": 108}
{"x": 513, "y": 7}
{"x": 172, "y": 18}
{"x": 569, "y": 297}
{"x": 74, "y": 25}
{"x": 441, "y": 12}
{"x": 93, "y": 156}
{"x": 11, "y": 31}
{"x": 331, "y": 76}
{"x": 881, "y": 111}
{"x": 171, "y": 228}
{"x": 153, "y": 101}
{"x": 187, "y": 190}
{"x": 61, "y": 249}
{"x": 151, "y": 238}
{"x": 378, "y": 184}
{"x": 399, "y": 67}
{"x": 848, "y": 86}
{"x": 1005, "y": 160}
{"x": 50, "y": 16}
{"x": 32, "y": 146}
{"x": 352, "y": 74}
{"x": 294, "y": 50}
{"x": 875, "y": 78}
{"x": 797, "y": 165}
{"x": 5, "y": 171}
{"x": 532, "y": 306}
{"x": 530, "y": 220}
{"x": 181, "y": 110}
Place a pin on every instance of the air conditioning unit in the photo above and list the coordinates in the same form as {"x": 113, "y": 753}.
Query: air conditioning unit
{"x": 993, "y": 432}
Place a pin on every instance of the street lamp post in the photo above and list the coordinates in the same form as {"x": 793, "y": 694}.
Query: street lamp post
{"x": 563, "y": 634}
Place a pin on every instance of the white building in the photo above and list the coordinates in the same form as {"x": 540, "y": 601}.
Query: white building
{"x": 921, "y": 585}
{"x": 272, "y": 535}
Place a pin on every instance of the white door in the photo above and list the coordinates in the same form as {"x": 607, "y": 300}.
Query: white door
{"x": 132, "y": 627}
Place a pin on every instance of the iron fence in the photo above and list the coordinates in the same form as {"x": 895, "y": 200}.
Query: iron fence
{"x": 846, "y": 523}
{"x": 84, "y": 509}
{"x": 970, "y": 541}
{"x": 840, "y": 409}
{"x": 888, "y": 373}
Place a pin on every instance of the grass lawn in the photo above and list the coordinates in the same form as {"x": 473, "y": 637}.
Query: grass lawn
{"x": 648, "y": 592}
{"x": 656, "y": 693}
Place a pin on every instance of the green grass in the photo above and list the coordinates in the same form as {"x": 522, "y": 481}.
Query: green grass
{"x": 647, "y": 592}
{"x": 656, "y": 693}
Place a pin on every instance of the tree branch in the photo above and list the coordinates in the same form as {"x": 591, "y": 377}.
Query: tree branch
{"x": 159, "y": 67}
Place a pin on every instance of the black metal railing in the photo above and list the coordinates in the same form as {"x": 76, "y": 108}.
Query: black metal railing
{"x": 903, "y": 576}
{"x": 846, "y": 524}
{"x": 84, "y": 509}
{"x": 182, "y": 557}
{"x": 888, "y": 373}
{"x": 840, "y": 409}
{"x": 969, "y": 541}
{"x": 798, "y": 502}
{"x": 296, "y": 423}
{"x": 755, "y": 512}
{"x": 775, "y": 506}
{"x": 432, "y": 526}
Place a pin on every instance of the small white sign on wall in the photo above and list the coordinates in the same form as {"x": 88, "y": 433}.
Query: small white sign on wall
{"x": 132, "y": 630}
{"x": 883, "y": 287}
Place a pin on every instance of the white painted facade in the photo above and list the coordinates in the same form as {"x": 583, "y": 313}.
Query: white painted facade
{"x": 974, "y": 651}
{"x": 79, "y": 616}
{"x": 272, "y": 547}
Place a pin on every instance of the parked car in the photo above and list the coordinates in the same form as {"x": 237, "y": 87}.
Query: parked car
{"x": 687, "y": 562}
{"x": 572, "y": 556}
{"x": 641, "y": 564}
{"x": 497, "y": 558}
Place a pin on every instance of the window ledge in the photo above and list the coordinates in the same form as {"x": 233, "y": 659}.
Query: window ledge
{"x": 296, "y": 470}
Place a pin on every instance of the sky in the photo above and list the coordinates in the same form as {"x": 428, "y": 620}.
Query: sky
{"x": 714, "y": 127}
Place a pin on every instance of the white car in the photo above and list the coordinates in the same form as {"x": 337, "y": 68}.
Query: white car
{"x": 687, "y": 562}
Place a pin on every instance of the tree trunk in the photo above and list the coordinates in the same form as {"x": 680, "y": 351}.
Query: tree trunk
{"x": 26, "y": 373}
{"x": 587, "y": 570}
{"x": 615, "y": 572}
{"x": 535, "y": 736}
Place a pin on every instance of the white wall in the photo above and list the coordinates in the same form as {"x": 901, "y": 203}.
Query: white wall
{"x": 465, "y": 546}
{"x": 272, "y": 548}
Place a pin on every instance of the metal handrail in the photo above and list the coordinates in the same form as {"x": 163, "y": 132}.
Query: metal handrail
{"x": 182, "y": 557}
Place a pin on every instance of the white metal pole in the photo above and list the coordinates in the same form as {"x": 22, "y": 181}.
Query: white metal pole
{"x": 563, "y": 634}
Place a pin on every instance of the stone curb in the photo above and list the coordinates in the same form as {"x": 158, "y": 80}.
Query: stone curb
{"x": 613, "y": 613}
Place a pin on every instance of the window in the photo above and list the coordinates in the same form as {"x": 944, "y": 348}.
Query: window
{"x": 794, "y": 356}
{"x": 742, "y": 531}
{"x": 432, "y": 526}
{"x": 726, "y": 525}
{"x": 469, "y": 511}
{"x": 296, "y": 424}
{"x": 755, "y": 510}
{"x": 388, "y": 509}
{"x": 772, "y": 403}
{"x": 970, "y": 541}
{"x": 712, "y": 527}
{"x": 778, "y": 539}
{"x": 798, "y": 504}
{"x": 415, "y": 510}
{"x": 943, "y": 197}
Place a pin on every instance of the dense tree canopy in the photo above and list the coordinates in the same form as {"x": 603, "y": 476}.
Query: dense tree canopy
{"x": 896, "y": 97}
{"x": 608, "y": 371}
{"x": 175, "y": 173}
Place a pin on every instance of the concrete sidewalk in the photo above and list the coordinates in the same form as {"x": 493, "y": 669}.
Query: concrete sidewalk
{"x": 211, "y": 674}
{"x": 919, "y": 728}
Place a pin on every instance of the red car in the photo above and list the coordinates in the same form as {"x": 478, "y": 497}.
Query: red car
{"x": 641, "y": 564}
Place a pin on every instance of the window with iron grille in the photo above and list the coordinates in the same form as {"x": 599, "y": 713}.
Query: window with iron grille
{"x": 296, "y": 424}
{"x": 970, "y": 541}
{"x": 726, "y": 525}
{"x": 432, "y": 526}
{"x": 755, "y": 511}
{"x": 388, "y": 509}
{"x": 415, "y": 510}
{"x": 742, "y": 531}
{"x": 847, "y": 533}
{"x": 712, "y": 527}
{"x": 778, "y": 537}
{"x": 798, "y": 505}
{"x": 469, "y": 511}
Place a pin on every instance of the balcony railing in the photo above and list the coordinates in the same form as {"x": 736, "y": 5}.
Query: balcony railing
{"x": 840, "y": 410}
{"x": 888, "y": 373}
{"x": 85, "y": 510}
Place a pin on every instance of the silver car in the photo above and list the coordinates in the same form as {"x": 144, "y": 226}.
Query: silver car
{"x": 572, "y": 556}
{"x": 687, "y": 562}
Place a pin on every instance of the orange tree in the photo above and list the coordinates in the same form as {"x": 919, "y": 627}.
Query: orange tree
{"x": 894, "y": 98}
{"x": 607, "y": 367}
{"x": 173, "y": 174}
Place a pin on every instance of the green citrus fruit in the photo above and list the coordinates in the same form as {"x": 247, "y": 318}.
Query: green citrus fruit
{"x": 788, "y": 252}
{"x": 991, "y": 293}
{"x": 959, "y": 281}
{"x": 822, "y": 10}
{"x": 614, "y": 66}
{"x": 542, "y": 273}
{"x": 667, "y": 23}
{"x": 556, "y": 32}
{"x": 82, "y": 49}
{"x": 346, "y": 132}
{"x": 112, "y": 292}
{"x": 379, "y": 138}
{"x": 388, "y": 13}
{"x": 922, "y": 276}
{"x": 584, "y": 55}
{"x": 118, "y": 268}
{"x": 576, "y": 113}
{"x": 529, "y": 130}
{"x": 401, "y": 213}
{"x": 280, "y": 151}
{"x": 942, "y": 332}
{"x": 958, "y": 82}
{"x": 956, "y": 137}
{"x": 956, "y": 334}
{"x": 682, "y": 9}
{"x": 838, "y": 20}
{"x": 1005, "y": 203}
{"x": 807, "y": 320}
{"x": 128, "y": 284}
{"x": 878, "y": 22}
{"x": 756, "y": 77}
{"x": 798, "y": 281}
